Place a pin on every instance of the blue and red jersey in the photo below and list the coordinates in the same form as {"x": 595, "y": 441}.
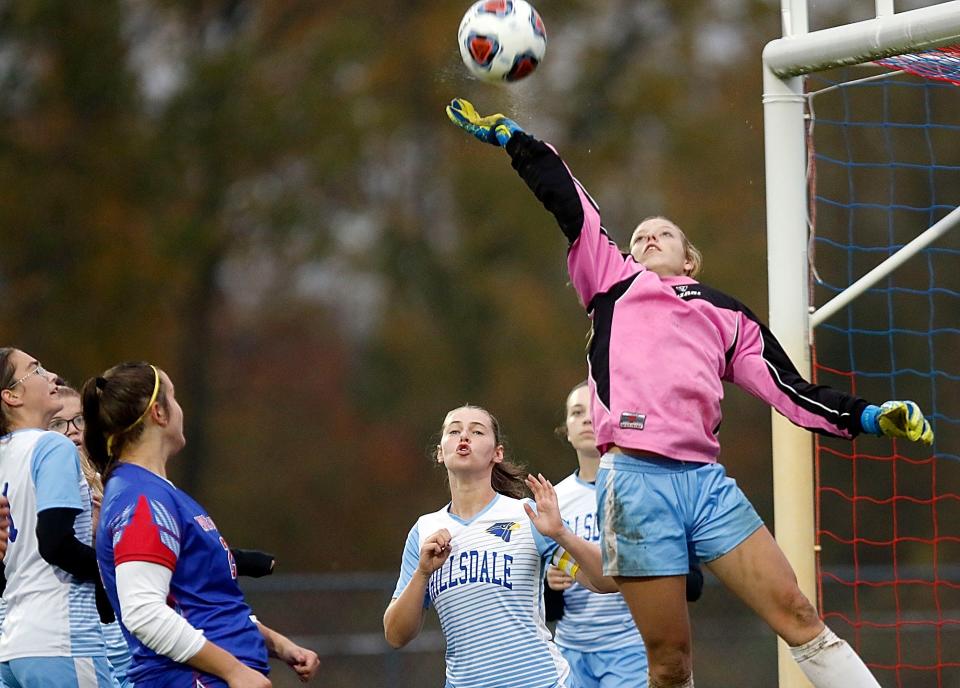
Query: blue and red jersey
{"x": 146, "y": 518}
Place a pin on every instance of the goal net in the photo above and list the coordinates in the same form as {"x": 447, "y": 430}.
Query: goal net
{"x": 883, "y": 167}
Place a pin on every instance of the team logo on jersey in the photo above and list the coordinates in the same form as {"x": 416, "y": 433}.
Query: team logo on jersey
{"x": 503, "y": 529}
{"x": 684, "y": 291}
{"x": 631, "y": 420}
{"x": 12, "y": 529}
{"x": 205, "y": 522}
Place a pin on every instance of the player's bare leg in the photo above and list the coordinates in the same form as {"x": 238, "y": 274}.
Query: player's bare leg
{"x": 658, "y": 605}
{"x": 758, "y": 573}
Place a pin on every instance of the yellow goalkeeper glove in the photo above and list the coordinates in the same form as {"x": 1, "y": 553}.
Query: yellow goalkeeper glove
{"x": 492, "y": 129}
{"x": 901, "y": 419}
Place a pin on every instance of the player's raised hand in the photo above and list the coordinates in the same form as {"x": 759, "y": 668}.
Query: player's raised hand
{"x": 435, "y": 550}
{"x": 899, "y": 419}
{"x": 493, "y": 129}
{"x": 546, "y": 518}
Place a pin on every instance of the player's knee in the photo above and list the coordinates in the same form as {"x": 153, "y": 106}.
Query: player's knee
{"x": 802, "y": 610}
{"x": 669, "y": 662}
{"x": 670, "y": 676}
{"x": 800, "y": 616}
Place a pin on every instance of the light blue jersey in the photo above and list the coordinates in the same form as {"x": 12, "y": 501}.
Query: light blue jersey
{"x": 488, "y": 595}
{"x": 591, "y": 622}
{"x": 49, "y": 612}
{"x": 118, "y": 654}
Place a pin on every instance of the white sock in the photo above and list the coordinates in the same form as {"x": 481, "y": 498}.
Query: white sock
{"x": 829, "y": 662}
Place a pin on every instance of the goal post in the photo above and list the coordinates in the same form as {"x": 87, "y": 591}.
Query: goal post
{"x": 786, "y": 62}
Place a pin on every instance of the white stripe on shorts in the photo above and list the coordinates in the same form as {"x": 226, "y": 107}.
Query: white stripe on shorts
{"x": 86, "y": 672}
{"x": 609, "y": 539}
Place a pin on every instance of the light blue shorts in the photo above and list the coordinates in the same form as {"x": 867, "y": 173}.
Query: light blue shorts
{"x": 62, "y": 672}
{"x": 623, "y": 668}
{"x": 654, "y": 512}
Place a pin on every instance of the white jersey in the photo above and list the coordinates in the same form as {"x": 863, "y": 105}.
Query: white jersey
{"x": 591, "y": 622}
{"x": 488, "y": 595}
{"x": 49, "y": 612}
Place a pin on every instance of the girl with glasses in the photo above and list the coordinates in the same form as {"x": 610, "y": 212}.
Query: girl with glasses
{"x": 156, "y": 545}
{"x": 51, "y": 634}
{"x": 480, "y": 561}
{"x": 69, "y": 422}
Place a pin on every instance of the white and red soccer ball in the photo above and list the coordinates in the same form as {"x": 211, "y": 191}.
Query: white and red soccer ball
{"x": 502, "y": 40}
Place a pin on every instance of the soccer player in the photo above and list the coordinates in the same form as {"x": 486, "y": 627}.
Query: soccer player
{"x": 596, "y": 634}
{"x": 168, "y": 571}
{"x": 69, "y": 422}
{"x": 662, "y": 344}
{"x": 480, "y": 561}
{"x": 51, "y": 634}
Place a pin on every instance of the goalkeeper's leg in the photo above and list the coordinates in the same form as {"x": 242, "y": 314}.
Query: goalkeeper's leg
{"x": 658, "y": 605}
{"x": 758, "y": 572}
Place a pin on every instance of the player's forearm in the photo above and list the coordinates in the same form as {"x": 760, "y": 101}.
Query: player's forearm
{"x": 213, "y": 659}
{"x": 59, "y": 546}
{"x": 404, "y": 616}
{"x": 761, "y": 366}
{"x": 276, "y": 642}
{"x": 587, "y": 556}
{"x": 142, "y": 590}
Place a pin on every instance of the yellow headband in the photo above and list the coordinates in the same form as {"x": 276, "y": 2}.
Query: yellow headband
{"x": 153, "y": 398}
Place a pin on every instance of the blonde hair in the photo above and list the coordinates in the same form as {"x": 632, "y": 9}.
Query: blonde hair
{"x": 690, "y": 252}
{"x": 86, "y": 466}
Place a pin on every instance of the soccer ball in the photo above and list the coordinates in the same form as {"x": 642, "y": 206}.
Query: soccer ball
{"x": 501, "y": 40}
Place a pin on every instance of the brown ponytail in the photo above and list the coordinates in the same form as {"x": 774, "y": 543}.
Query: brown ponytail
{"x": 112, "y": 405}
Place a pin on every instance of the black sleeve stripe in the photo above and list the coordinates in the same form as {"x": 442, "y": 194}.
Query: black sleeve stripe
{"x": 546, "y": 175}
{"x": 793, "y": 387}
{"x": 586, "y": 193}
{"x": 728, "y": 355}
{"x": 833, "y": 405}
{"x": 602, "y": 306}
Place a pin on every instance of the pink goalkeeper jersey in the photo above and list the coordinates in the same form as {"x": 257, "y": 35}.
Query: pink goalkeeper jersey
{"x": 661, "y": 347}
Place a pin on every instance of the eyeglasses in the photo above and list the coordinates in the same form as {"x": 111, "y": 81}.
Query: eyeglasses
{"x": 62, "y": 425}
{"x": 39, "y": 370}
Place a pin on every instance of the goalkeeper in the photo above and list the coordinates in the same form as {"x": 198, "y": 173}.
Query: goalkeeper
{"x": 661, "y": 346}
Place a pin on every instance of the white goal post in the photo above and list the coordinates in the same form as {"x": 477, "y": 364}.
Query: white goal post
{"x": 785, "y": 61}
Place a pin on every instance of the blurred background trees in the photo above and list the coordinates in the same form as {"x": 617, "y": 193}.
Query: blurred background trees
{"x": 266, "y": 199}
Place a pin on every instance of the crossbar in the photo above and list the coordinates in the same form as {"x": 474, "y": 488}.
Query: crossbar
{"x": 884, "y": 36}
